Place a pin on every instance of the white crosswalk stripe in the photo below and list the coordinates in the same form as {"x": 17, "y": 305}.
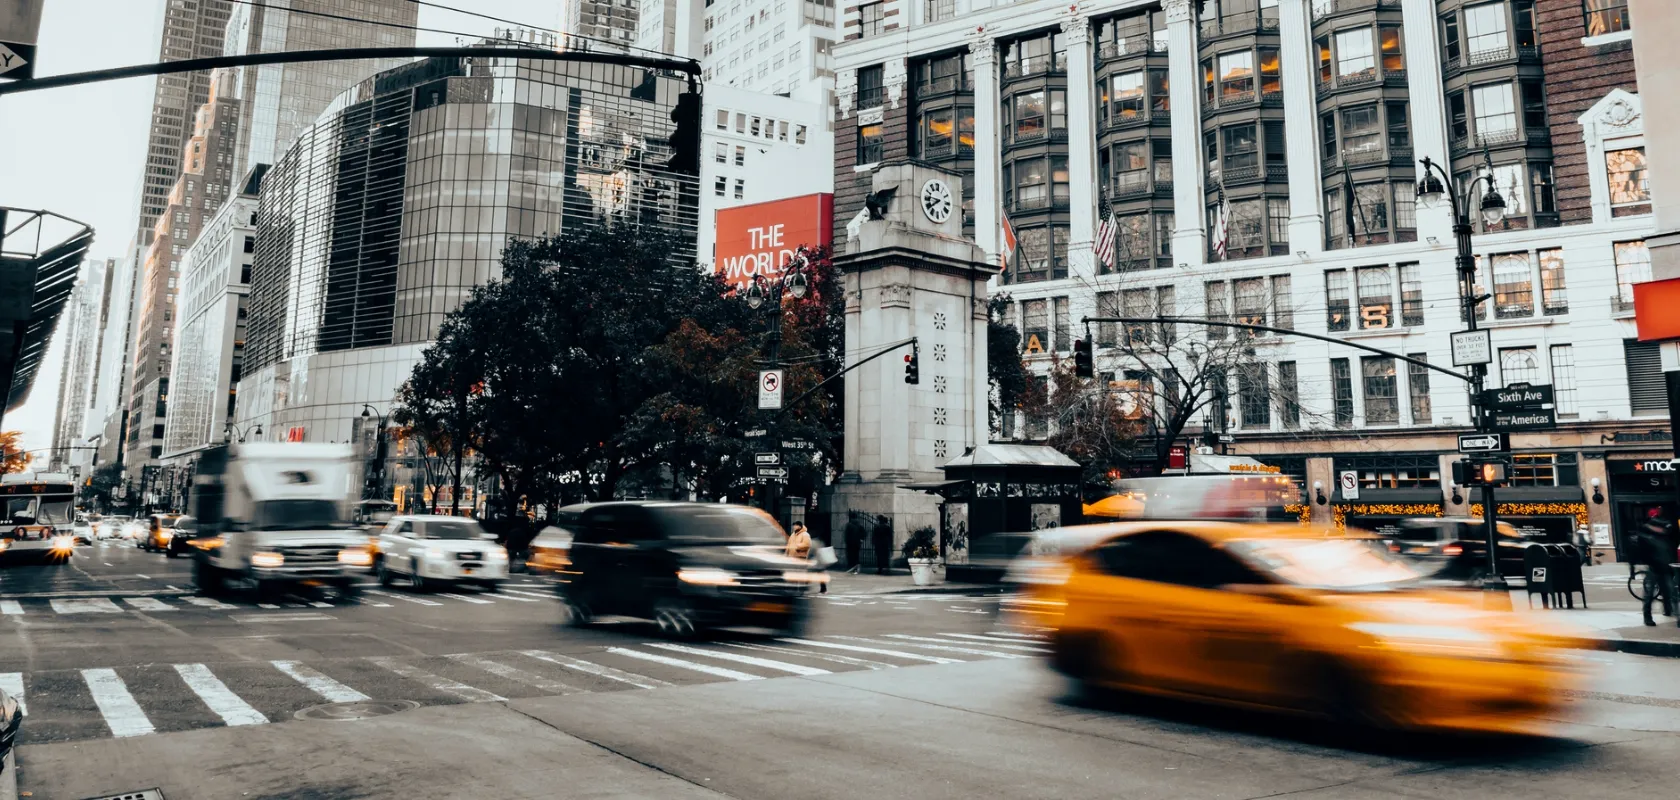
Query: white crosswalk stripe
{"x": 438, "y": 682}
{"x": 1017, "y": 635}
{"x": 598, "y": 670}
{"x": 217, "y": 697}
{"x": 465, "y": 598}
{"x": 677, "y": 662}
{"x": 122, "y": 715}
{"x": 11, "y": 607}
{"x": 935, "y": 644}
{"x": 420, "y": 600}
{"x": 875, "y": 650}
{"x": 207, "y": 602}
{"x": 12, "y": 683}
{"x": 330, "y": 690}
{"x": 148, "y": 604}
{"x": 1002, "y": 644}
{"x": 780, "y": 666}
{"x": 830, "y": 657}
{"x": 518, "y": 594}
{"x": 267, "y": 605}
{"x": 96, "y": 605}
{"x": 514, "y": 673}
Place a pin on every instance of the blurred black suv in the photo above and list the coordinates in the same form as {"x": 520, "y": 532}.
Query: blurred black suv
{"x": 686, "y": 566}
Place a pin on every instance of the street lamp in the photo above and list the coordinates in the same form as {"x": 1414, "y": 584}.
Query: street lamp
{"x": 228, "y": 434}
{"x": 378, "y": 483}
{"x": 794, "y": 282}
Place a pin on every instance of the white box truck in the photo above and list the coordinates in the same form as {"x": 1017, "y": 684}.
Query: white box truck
{"x": 273, "y": 517}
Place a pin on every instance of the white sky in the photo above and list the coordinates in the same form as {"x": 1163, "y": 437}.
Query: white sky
{"x": 78, "y": 151}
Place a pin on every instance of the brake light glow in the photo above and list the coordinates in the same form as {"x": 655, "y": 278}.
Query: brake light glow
{"x": 1453, "y": 549}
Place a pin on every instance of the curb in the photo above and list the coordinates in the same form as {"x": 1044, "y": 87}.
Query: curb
{"x": 8, "y": 778}
{"x": 1638, "y": 647}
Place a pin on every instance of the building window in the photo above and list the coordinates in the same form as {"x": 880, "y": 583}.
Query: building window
{"x": 1458, "y": 117}
{"x": 1336, "y": 299}
{"x": 1282, "y": 302}
{"x": 1242, "y": 151}
{"x": 1164, "y": 222}
{"x": 1354, "y": 57}
{"x": 1382, "y": 403}
{"x": 1361, "y": 131}
{"x": 1647, "y": 388}
{"x": 722, "y": 154}
{"x": 1534, "y": 108}
{"x": 871, "y": 84}
{"x": 1563, "y": 379}
{"x": 1633, "y": 265}
{"x": 1289, "y": 395}
{"x": 1271, "y": 72}
{"x": 1254, "y": 395}
{"x": 1606, "y": 16}
{"x": 1518, "y": 365}
{"x": 1218, "y": 302}
{"x": 1341, "y": 391}
{"x": 1277, "y": 220}
{"x": 1554, "y": 296}
{"x": 937, "y": 128}
{"x": 1059, "y": 318}
{"x": 1035, "y": 322}
{"x": 721, "y": 186}
{"x": 1405, "y": 211}
{"x": 1058, "y": 110}
{"x": 1485, "y": 30}
{"x": 1251, "y": 303}
{"x": 1236, "y": 77}
{"x": 1029, "y": 116}
{"x": 1136, "y": 304}
{"x": 870, "y": 18}
{"x": 1388, "y": 40}
{"x": 870, "y": 144}
{"x": 1376, "y": 298}
{"x": 1127, "y": 91}
{"x": 1417, "y": 385}
{"x": 1411, "y": 295}
{"x": 1628, "y": 181}
{"x": 1107, "y": 306}
{"x": 1496, "y": 114}
{"x": 740, "y": 189}
{"x": 1513, "y": 286}
{"x": 937, "y": 10}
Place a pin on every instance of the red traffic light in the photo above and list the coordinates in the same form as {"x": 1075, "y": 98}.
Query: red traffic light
{"x": 907, "y": 358}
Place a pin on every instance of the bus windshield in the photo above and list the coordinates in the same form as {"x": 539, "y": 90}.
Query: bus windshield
{"x": 39, "y": 509}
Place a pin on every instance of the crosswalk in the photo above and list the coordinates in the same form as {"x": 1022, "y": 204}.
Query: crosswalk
{"x": 141, "y": 700}
{"x": 514, "y": 595}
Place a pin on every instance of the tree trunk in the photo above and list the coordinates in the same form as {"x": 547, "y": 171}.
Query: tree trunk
{"x": 455, "y": 484}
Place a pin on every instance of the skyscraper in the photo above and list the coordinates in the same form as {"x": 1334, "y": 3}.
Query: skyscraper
{"x": 611, "y": 21}
{"x": 191, "y": 29}
{"x": 79, "y": 331}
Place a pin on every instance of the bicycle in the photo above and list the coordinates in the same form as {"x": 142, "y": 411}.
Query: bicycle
{"x": 1636, "y": 582}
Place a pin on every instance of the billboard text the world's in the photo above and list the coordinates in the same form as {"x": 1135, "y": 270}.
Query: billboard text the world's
{"x": 760, "y": 239}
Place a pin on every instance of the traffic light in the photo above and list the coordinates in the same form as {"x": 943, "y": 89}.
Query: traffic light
{"x": 1082, "y": 366}
{"x": 685, "y": 138}
{"x": 912, "y": 369}
{"x": 1462, "y": 473}
{"x": 1467, "y": 472}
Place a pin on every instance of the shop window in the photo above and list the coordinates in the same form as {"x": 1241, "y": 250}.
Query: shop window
{"x": 1395, "y": 471}
{"x": 1543, "y": 469}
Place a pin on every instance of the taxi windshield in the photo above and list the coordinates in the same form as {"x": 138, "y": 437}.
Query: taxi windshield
{"x": 1331, "y": 564}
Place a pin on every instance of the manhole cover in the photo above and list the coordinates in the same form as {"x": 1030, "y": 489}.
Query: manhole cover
{"x": 361, "y": 709}
{"x": 144, "y": 794}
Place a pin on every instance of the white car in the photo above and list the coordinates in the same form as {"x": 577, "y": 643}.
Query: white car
{"x": 429, "y": 550}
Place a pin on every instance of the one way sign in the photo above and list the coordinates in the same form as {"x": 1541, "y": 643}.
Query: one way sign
{"x": 17, "y": 60}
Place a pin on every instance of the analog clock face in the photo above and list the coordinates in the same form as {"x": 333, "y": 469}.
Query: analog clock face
{"x": 936, "y": 200}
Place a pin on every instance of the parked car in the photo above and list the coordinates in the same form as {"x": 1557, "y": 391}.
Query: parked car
{"x": 1455, "y": 548}
{"x": 686, "y": 566}
{"x": 428, "y": 550}
{"x": 159, "y": 530}
{"x": 11, "y": 717}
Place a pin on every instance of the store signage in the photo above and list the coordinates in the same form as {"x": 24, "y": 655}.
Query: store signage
{"x": 764, "y": 238}
{"x": 1472, "y": 347}
{"x": 1177, "y": 457}
{"x": 1653, "y": 466}
{"x": 1483, "y": 443}
{"x": 1266, "y": 468}
{"x": 1518, "y": 396}
{"x": 1531, "y": 419}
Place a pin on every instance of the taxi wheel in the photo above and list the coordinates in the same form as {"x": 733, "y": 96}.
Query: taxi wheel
{"x": 416, "y": 581}
{"x": 675, "y": 618}
{"x": 385, "y": 576}
{"x": 1073, "y": 653}
{"x": 1351, "y": 702}
{"x": 578, "y": 613}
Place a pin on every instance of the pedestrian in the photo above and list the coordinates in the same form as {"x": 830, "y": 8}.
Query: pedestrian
{"x": 882, "y": 539}
{"x": 1655, "y": 544}
{"x": 799, "y": 542}
{"x": 822, "y": 557}
{"x": 856, "y": 530}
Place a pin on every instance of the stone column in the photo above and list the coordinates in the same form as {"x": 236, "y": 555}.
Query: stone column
{"x": 850, "y": 452}
{"x": 980, "y": 389}
{"x": 1428, "y": 110}
{"x": 1082, "y": 145}
{"x": 1300, "y": 106}
{"x": 988, "y": 149}
{"x": 1189, "y": 199}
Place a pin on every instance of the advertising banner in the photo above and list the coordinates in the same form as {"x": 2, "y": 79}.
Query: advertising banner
{"x": 760, "y": 239}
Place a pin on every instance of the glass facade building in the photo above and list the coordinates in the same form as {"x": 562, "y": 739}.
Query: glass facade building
{"x": 386, "y": 212}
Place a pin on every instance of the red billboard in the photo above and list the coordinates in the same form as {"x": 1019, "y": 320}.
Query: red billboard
{"x": 1654, "y": 304}
{"x": 760, "y": 239}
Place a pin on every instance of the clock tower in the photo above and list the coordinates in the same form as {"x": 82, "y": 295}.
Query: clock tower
{"x": 910, "y": 274}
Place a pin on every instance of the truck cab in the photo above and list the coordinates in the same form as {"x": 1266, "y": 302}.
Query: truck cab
{"x": 274, "y": 516}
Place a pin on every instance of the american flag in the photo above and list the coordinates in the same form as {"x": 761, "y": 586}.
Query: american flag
{"x": 1104, "y": 247}
{"x": 1007, "y": 252}
{"x": 1222, "y": 225}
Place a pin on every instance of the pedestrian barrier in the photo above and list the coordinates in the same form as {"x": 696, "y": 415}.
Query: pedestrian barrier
{"x": 1554, "y": 573}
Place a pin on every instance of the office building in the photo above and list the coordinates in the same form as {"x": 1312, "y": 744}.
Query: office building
{"x": 437, "y": 164}
{"x": 79, "y": 331}
{"x": 191, "y": 29}
{"x": 109, "y": 411}
{"x": 774, "y": 46}
{"x": 758, "y": 147}
{"x": 1258, "y": 160}
{"x": 610, "y": 22}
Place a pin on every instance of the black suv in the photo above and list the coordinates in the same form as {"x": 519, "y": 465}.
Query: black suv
{"x": 686, "y": 566}
{"x": 1455, "y": 548}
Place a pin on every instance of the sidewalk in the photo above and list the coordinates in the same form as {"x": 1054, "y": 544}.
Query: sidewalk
{"x": 1612, "y": 616}
{"x": 899, "y": 582}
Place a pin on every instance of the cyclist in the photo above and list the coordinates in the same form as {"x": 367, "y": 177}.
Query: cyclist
{"x": 1654, "y": 546}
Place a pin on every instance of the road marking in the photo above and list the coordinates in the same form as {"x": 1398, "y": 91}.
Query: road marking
{"x": 310, "y": 616}
{"x": 12, "y": 683}
{"x": 267, "y": 605}
{"x": 101, "y": 605}
{"x": 513, "y": 673}
{"x": 677, "y": 662}
{"x": 106, "y": 563}
{"x": 1006, "y": 644}
{"x": 122, "y": 715}
{"x": 206, "y": 602}
{"x": 465, "y": 598}
{"x": 1013, "y": 635}
{"x": 173, "y": 588}
{"x": 875, "y": 650}
{"x": 638, "y": 681}
{"x": 11, "y": 607}
{"x": 971, "y": 649}
{"x": 146, "y": 577}
{"x": 419, "y": 600}
{"x": 319, "y": 604}
{"x": 330, "y": 690}
{"x": 834, "y": 657}
{"x": 781, "y": 666}
{"x": 525, "y": 594}
{"x": 438, "y": 682}
{"x": 218, "y": 697}
{"x": 148, "y": 604}
{"x": 916, "y": 641}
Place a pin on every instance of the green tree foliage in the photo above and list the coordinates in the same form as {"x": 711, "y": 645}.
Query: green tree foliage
{"x": 1012, "y": 386}
{"x": 96, "y": 493}
{"x": 12, "y": 457}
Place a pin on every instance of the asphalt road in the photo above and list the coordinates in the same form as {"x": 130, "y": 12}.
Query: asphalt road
{"x": 888, "y": 697}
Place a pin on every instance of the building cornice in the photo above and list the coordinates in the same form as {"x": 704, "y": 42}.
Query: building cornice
{"x": 1001, "y": 21}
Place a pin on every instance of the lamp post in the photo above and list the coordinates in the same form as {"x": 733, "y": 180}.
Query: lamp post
{"x": 1491, "y": 206}
{"x": 794, "y": 282}
{"x": 378, "y": 483}
{"x": 232, "y": 430}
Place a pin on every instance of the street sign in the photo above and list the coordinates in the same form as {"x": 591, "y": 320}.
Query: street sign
{"x": 798, "y": 444}
{"x": 772, "y": 473}
{"x": 1350, "y": 484}
{"x": 1472, "y": 347}
{"x": 20, "y": 29}
{"x": 1483, "y": 443}
{"x": 767, "y": 459}
{"x": 17, "y": 60}
{"x": 770, "y": 388}
{"x": 1528, "y": 419}
{"x": 1518, "y": 396}
{"x": 755, "y": 433}
{"x": 1226, "y": 438}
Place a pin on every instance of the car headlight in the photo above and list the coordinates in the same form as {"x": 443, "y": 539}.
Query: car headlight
{"x": 63, "y": 543}
{"x": 498, "y": 554}
{"x": 355, "y": 558}
{"x": 267, "y": 559}
{"x": 165, "y": 535}
{"x": 706, "y": 576}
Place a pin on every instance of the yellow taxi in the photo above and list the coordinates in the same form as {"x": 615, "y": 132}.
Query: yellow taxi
{"x": 1282, "y": 617}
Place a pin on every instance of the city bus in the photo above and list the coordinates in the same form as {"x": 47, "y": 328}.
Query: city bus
{"x": 36, "y": 511}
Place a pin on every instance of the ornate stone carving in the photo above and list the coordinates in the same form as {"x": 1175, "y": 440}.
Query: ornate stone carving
{"x": 893, "y": 78}
{"x": 895, "y": 295}
{"x": 1077, "y": 27}
{"x": 984, "y": 50}
{"x": 1178, "y": 10}
{"x": 845, "y": 91}
{"x": 980, "y": 308}
{"x": 1619, "y": 113}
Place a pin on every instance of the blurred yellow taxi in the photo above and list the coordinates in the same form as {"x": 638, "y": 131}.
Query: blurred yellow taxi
{"x": 1282, "y": 617}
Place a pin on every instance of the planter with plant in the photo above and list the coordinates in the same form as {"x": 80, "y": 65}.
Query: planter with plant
{"x": 920, "y": 550}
